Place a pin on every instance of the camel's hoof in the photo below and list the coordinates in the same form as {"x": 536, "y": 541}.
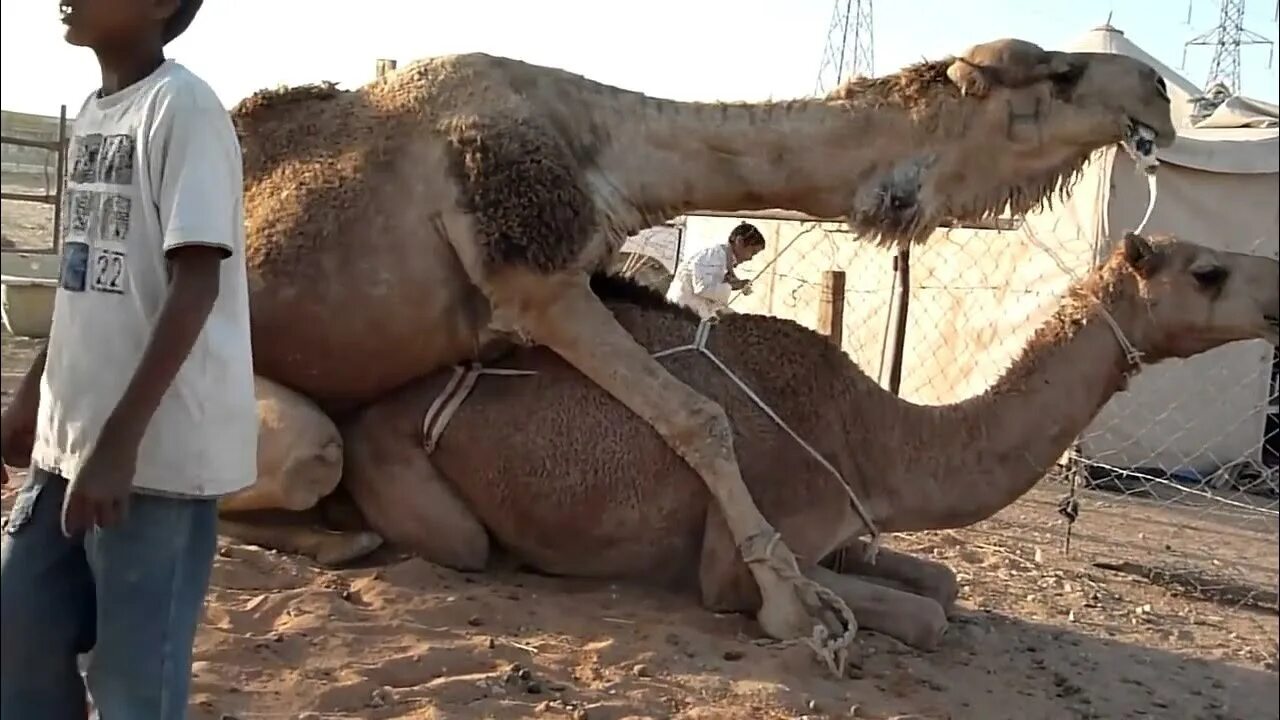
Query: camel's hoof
{"x": 348, "y": 547}
{"x": 791, "y": 606}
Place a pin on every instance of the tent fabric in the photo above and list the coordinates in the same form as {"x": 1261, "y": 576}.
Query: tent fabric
{"x": 1205, "y": 412}
{"x": 1242, "y": 112}
{"x": 1243, "y": 139}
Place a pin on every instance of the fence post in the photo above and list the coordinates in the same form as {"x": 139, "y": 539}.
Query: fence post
{"x": 831, "y": 306}
{"x": 902, "y": 305}
{"x": 61, "y": 182}
{"x": 384, "y": 67}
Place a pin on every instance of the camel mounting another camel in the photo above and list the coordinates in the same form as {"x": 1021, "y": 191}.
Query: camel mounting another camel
{"x": 406, "y": 226}
{"x": 552, "y": 470}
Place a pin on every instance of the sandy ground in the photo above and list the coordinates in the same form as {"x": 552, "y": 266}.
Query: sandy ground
{"x": 1039, "y": 634}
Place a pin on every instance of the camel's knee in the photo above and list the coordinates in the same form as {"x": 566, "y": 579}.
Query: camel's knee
{"x": 699, "y": 430}
{"x": 299, "y": 452}
{"x": 304, "y": 480}
{"x": 404, "y": 499}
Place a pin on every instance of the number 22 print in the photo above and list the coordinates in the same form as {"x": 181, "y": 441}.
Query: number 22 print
{"x": 108, "y": 271}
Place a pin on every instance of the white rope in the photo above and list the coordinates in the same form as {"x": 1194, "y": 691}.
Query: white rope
{"x": 1151, "y": 202}
{"x": 699, "y": 344}
{"x": 447, "y": 402}
{"x": 1131, "y": 354}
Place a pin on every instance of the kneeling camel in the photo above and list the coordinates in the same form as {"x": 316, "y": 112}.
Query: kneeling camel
{"x": 552, "y": 470}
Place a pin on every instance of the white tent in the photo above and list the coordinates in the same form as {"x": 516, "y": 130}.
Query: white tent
{"x": 1218, "y": 185}
{"x": 978, "y": 294}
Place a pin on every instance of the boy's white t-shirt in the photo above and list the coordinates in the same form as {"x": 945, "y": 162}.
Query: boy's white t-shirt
{"x": 699, "y": 281}
{"x": 152, "y": 167}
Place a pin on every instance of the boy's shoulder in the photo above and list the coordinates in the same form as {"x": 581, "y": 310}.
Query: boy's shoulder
{"x": 177, "y": 82}
{"x": 172, "y": 85}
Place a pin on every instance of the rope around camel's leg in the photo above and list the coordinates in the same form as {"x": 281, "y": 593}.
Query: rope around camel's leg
{"x": 831, "y": 649}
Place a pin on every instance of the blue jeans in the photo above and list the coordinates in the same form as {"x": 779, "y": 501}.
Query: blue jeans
{"x": 132, "y": 593}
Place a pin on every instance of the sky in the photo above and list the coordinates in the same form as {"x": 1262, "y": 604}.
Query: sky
{"x": 679, "y": 49}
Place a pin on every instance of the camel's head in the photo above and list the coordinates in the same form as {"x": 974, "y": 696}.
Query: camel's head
{"x": 1082, "y": 99}
{"x": 1005, "y": 126}
{"x": 1192, "y": 298}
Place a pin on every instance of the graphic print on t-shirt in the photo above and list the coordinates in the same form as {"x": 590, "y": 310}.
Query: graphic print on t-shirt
{"x": 97, "y": 223}
{"x": 75, "y": 266}
{"x": 84, "y": 159}
{"x": 80, "y": 212}
{"x": 114, "y": 217}
{"x": 107, "y": 273}
{"x": 117, "y": 160}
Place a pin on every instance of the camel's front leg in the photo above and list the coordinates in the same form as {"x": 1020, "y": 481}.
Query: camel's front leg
{"x": 899, "y": 570}
{"x": 563, "y": 314}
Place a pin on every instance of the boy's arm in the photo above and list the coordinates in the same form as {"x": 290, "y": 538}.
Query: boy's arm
{"x": 193, "y": 288}
{"x": 197, "y": 164}
{"x": 17, "y": 429}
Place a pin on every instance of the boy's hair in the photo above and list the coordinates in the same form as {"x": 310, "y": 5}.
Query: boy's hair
{"x": 747, "y": 235}
{"x": 181, "y": 19}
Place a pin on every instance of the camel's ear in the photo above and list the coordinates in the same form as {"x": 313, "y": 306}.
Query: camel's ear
{"x": 970, "y": 77}
{"x": 1140, "y": 255}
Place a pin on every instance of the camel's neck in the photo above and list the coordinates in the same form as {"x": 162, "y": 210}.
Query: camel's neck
{"x": 867, "y": 157}
{"x": 666, "y": 158}
{"x": 976, "y": 457}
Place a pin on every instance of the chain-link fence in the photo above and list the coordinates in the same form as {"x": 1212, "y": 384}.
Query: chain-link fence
{"x": 1174, "y": 481}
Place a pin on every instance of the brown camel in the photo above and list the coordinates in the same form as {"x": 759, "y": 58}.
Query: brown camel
{"x": 555, "y": 472}
{"x": 396, "y": 229}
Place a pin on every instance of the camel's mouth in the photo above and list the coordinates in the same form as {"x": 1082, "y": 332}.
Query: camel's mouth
{"x": 65, "y": 11}
{"x": 1140, "y": 142}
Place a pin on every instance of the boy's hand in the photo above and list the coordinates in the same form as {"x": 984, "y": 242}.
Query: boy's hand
{"x": 99, "y": 494}
{"x": 17, "y": 436}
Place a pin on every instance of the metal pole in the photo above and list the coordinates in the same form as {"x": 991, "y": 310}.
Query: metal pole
{"x": 902, "y": 305}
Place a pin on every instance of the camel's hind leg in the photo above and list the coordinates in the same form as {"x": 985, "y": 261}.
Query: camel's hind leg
{"x": 279, "y": 516}
{"x": 900, "y": 570}
{"x": 324, "y": 546}
{"x": 563, "y": 314}
{"x": 404, "y": 498}
{"x": 914, "y": 619}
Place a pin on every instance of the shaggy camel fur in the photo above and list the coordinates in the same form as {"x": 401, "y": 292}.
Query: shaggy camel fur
{"x": 554, "y": 471}
{"x": 396, "y": 229}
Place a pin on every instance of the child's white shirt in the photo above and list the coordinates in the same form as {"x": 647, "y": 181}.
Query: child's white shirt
{"x": 152, "y": 167}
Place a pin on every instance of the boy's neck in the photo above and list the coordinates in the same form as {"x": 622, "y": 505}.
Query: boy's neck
{"x": 124, "y": 68}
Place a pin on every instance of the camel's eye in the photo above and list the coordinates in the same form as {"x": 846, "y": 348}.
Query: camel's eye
{"x": 1210, "y": 278}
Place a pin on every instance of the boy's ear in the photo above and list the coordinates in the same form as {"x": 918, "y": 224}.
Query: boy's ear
{"x": 165, "y": 9}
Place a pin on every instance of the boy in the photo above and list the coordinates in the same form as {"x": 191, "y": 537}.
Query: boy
{"x": 703, "y": 281}
{"x": 140, "y": 412}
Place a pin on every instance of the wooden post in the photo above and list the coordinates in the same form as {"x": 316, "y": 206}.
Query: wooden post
{"x": 902, "y": 306}
{"x": 831, "y": 306}
{"x": 385, "y": 66}
{"x": 60, "y": 183}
